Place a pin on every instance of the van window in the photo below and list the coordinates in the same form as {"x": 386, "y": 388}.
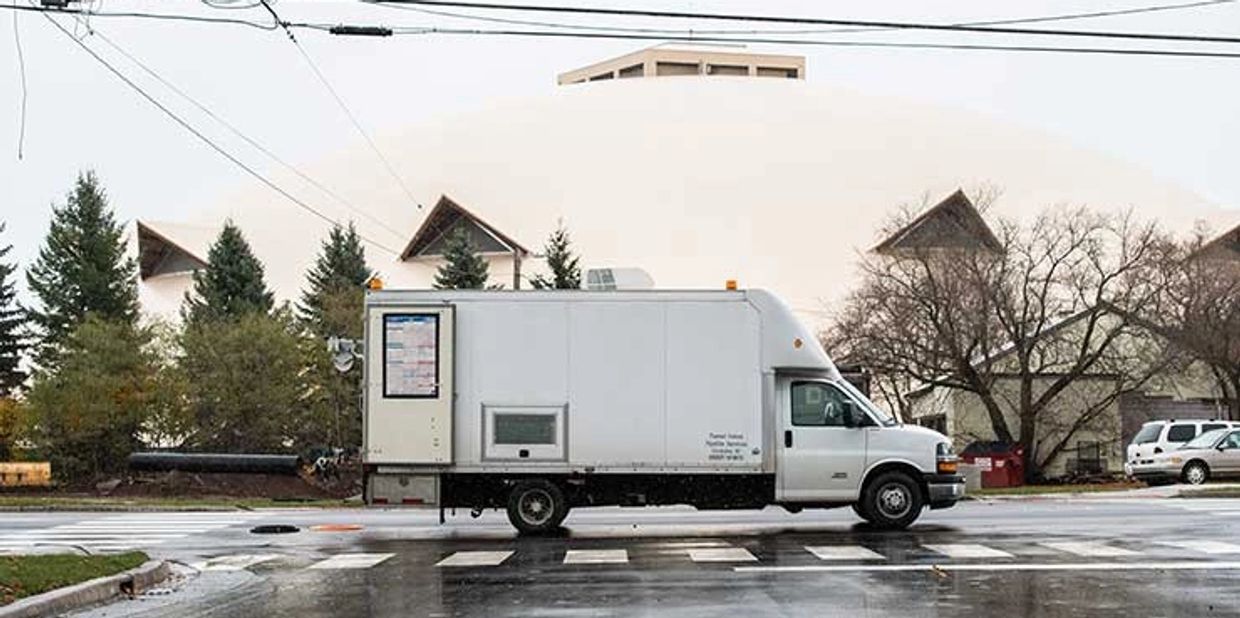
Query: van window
{"x": 1148, "y": 434}
{"x": 1213, "y": 426}
{"x": 1181, "y": 433}
{"x": 817, "y": 404}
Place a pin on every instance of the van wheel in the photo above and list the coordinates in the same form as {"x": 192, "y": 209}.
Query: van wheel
{"x": 892, "y": 501}
{"x": 1196, "y": 473}
{"x": 536, "y": 507}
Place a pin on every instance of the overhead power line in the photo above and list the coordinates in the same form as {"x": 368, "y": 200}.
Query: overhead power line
{"x": 1119, "y": 51}
{"x": 243, "y": 136}
{"x": 890, "y": 25}
{"x": 343, "y": 107}
{"x": 787, "y": 31}
{"x": 144, "y": 15}
{"x": 198, "y": 134}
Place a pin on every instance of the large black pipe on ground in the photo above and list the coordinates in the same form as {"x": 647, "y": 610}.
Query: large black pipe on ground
{"x": 214, "y": 462}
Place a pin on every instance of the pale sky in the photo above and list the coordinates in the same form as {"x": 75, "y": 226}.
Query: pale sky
{"x": 1176, "y": 117}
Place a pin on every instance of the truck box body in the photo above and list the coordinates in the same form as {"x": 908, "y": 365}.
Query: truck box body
{"x": 621, "y": 382}
{"x": 720, "y": 399}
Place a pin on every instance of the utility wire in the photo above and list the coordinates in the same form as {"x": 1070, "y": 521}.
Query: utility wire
{"x": 21, "y": 68}
{"x": 206, "y": 140}
{"x": 153, "y": 16}
{"x": 892, "y": 25}
{"x": 745, "y": 31}
{"x": 820, "y": 43}
{"x": 418, "y": 30}
{"x": 249, "y": 140}
{"x": 343, "y": 107}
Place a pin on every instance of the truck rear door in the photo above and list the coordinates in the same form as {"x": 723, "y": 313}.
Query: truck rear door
{"x": 409, "y": 384}
{"x": 819, "y": 457}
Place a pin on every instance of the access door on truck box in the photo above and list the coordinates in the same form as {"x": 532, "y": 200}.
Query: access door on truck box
{"x": 821, "y": 449}
{"x": 409, "y": 384}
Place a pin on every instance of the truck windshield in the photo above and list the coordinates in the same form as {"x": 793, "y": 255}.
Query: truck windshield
{"x": 874, "y": 411}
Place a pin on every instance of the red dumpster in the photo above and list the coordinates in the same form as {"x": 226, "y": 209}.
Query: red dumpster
{"x": 1002, "y": 463}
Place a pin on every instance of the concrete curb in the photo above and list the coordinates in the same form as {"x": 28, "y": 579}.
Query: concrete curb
{"x": 77, "y": 596}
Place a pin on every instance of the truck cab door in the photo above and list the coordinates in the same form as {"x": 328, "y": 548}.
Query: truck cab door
{"x": 822, "y": 449}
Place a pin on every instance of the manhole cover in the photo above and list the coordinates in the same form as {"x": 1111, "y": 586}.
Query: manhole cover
{"x": 274, "y": 529}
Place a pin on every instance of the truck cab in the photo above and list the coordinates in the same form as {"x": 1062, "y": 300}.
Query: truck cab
{"x": 838, "y": 447}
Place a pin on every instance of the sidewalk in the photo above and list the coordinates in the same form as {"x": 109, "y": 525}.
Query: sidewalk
{"x": 1163, "y": 491}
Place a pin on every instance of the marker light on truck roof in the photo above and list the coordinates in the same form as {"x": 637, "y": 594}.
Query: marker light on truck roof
{"x": 797, "y": 343}
{"x": 375, "y": 283}
{"x": 730, "y": 284}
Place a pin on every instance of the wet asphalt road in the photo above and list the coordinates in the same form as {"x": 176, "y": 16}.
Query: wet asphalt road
{"x": 1078, "y": 557}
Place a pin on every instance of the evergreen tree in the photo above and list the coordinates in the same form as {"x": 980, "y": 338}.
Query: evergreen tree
{"x": 463, "y": 268}
{"x": 332, "y": 307}
{"x": 12, "y": 321}
{"x": 337, "y": 279}
{"x": 565, "y": 272}
{"x": 81, "y": 269}
{"x": 231, "y": 285}
{"x": 88, "y": 414}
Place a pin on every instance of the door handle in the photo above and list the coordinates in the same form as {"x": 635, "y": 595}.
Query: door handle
{"x": 787, "y": 438}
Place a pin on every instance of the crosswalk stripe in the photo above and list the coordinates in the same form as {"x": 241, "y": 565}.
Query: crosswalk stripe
{"x": 351, "y": 561}
{"x": 596, "y": 556}
{"x": 233, "y": 563}
{"x": 1091, "y": 549}
{"x": 721, "y": 554}
{"x": 1207, "y": 547}
{"x": 474, "y": 558}
{"x": 844, "y": 552}
{"x": 124, "y": 531}
{"x": 968, "y": 550}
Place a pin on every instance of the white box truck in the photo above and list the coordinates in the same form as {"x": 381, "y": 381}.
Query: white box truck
{"x": 540, "y": 401}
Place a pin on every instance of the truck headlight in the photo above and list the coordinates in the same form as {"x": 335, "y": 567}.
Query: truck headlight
{"x": 946, "y": 461}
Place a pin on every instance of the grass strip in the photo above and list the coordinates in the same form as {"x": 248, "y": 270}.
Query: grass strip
{"x": 23, "y": 576}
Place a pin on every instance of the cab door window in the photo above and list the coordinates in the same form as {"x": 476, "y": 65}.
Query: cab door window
{"x": 818, "y": 404}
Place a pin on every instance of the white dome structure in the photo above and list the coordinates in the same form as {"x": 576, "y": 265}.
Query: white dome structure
{"x": 775, "y": 183}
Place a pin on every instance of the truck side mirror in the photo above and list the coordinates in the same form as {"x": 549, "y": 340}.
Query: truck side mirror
{"x": 850, "y": 415}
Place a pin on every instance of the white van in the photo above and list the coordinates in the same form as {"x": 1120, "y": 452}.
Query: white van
{"x": 541, "y": 401}
{"x": 1158, "y": 437}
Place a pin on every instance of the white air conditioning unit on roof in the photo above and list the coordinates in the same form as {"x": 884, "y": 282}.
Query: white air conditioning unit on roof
{"x": 601, "y": 279}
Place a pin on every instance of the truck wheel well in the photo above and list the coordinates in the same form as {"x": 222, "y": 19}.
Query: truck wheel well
{"x": 896, "y": 466}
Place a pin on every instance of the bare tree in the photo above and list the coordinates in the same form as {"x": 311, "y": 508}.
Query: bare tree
{"x": 1199, "y": 312}
{"x": 1015, "y": 326}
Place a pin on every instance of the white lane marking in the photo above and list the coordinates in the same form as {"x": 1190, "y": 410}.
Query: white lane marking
{"x": 1007, "y": 566}
{"x": 233, "y": 563}
{"x": 596, "y": 556}
{"x": 1090, "y": 549}
{"x": 351, "y": 561}
{"x": 968, "y": 550}
{"x": 474, "y": 558}
{"x": 1206, "y": 547}
{"x": 722, "y": 554}
{"x": 690, "y": 544}
{"x": 844, "y": 552}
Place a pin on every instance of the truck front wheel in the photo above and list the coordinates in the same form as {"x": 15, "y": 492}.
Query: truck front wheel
{"x": 536, "y": 507}
{"x": 892, "y": 501}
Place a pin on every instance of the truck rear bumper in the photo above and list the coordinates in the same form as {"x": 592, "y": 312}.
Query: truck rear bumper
{"x": 944, "y": 490}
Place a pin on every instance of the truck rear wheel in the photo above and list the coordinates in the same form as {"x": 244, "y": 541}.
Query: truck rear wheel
{"x": 536, "y": 507}
{"x": 891, "y": 501}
